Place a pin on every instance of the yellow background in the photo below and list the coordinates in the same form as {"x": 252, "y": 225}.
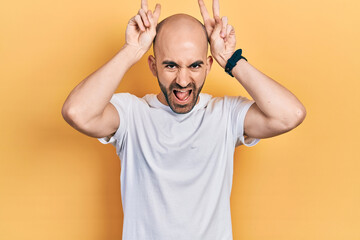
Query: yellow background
{"x": 56, "y": 183}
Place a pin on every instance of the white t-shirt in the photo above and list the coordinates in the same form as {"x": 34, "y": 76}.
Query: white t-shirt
{"x": 177, "y": 169}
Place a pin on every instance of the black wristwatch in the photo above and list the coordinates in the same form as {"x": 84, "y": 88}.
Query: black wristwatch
{"x": 231, "y": 63}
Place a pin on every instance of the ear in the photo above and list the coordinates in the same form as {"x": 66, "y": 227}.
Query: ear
{"x": 209, "y": 62}
{"x": 152, "y": 65}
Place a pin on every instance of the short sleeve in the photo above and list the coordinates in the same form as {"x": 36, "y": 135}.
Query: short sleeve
{"x": 239, "y": 107}
{"x": 122, "y": 103}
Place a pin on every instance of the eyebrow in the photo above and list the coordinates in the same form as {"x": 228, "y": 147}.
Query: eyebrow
{"x": 198, "y": 62}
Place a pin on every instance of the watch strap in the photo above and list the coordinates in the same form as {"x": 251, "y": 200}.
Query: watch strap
{"x": 231, "y": 63}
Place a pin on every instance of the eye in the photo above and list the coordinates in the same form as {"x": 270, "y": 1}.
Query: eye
{"x": 170, "y": 66}
{"x": 195, "y": 66}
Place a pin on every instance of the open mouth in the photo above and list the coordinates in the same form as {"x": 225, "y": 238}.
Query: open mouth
{"x": 182, "y": 95}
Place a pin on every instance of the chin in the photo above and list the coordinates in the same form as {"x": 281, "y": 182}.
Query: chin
{"x": 182, "y": 107}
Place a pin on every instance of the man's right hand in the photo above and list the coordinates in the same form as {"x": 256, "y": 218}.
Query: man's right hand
{"x": 88, "y": 108}
{"x": 141, "y": 29}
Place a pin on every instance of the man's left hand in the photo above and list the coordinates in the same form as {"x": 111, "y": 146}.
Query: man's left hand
{"x": 221, "y": 35}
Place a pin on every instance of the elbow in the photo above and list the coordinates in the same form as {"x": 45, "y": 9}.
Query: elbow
{"x": 75, "y": 118}
{"x": 300, "y": 115}
{"x": 296, "y": 117}
{"x": 70, "y": 115}
{"x": 285, "y": 122}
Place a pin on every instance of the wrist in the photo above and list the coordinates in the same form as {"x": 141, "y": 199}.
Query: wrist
{"x": 133, "y": 53}
{"x": 233, "y": 61}
{"x": 222, "y": 59}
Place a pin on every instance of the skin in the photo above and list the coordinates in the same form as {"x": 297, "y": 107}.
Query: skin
{"x": 181, "y": 62}
{"x": 88, "y": 109}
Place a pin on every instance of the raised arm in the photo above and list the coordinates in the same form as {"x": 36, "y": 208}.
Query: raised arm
{"x": 88, "y": 108}
{"x": 276, "y": 110}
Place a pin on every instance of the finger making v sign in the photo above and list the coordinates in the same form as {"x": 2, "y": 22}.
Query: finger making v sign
{"x": 221, "y": 34}
{"x": 141, "y": 28}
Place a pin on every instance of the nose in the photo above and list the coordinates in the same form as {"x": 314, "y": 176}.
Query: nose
{"x": 183, "y": 77}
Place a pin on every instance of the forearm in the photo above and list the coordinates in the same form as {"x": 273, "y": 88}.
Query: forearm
{"x": 274, "y": 100}
{"x": 90, "y": 97}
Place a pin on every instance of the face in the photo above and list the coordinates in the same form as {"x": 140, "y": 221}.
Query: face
{"x": 181, "y": 66}
{"x": 181, "y": 90}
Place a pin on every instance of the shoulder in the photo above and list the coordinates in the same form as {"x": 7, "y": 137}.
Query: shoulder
{"x": 229, "y": 104}
{"x": 227, "y": 100}
{"x": 222, "y": 98}
{"x": 126, "y": 98}
{"x": 124, "y": 95}
{"x": 236, "y": 101}
{"x": 235, "y": 98}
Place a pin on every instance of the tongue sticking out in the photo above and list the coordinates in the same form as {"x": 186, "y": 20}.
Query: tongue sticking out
{"x": 182, "y": 95}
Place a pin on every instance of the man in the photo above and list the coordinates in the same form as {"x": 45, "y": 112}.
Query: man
{"x": 176, "y": 147}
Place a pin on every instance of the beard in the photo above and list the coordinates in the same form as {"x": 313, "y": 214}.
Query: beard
{"x": 174, "y": 102}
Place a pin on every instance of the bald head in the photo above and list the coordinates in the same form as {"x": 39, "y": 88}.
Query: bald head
{"x": 179, "y": 28}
